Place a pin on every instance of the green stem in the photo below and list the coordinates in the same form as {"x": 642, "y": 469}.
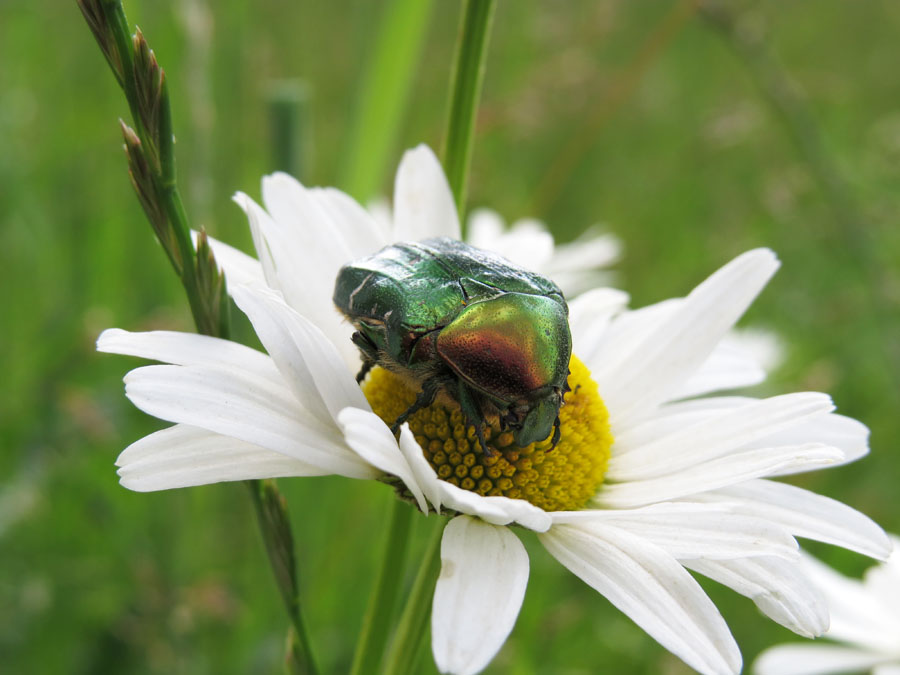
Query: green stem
{"x": 404, "y": 649}
{"x": 208, "y": 306}
{"x": 275, "y": 527}
{"x": 468, "y": 74}
{"x": 121, "y": 34}
{"x": 377, "y": 622}
{"x": 205, "y": 322}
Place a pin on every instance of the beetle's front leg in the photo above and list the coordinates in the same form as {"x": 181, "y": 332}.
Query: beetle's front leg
{"x": 557, "y": 434}
{"x": 369, "y": 352}
{"x": 424, "y": 399}
{"x": 473, "y": 415}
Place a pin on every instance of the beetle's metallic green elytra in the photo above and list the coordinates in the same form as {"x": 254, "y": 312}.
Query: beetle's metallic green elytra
{"x": 467, "y": 323}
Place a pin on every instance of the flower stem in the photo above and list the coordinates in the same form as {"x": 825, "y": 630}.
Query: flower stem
{"x": 465, "y": 87}
{"x": 401, "y": 657}
{"x": 377, "y": 622}
{"x": 272, "y": 515}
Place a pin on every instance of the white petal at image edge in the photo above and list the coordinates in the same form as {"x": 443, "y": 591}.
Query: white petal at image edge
{"x": 484, "y": 572}
{"x": 814, "y": 660}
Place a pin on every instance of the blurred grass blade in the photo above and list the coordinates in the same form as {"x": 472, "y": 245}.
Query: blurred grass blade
{"x": 289, "y": 124}
{"x": 383, "y": 95}
{"x": 413, "y": 623}
{"x": 378, "y": 620}
{"x": 275, "y": 526}
{"x": 465, "y": 92}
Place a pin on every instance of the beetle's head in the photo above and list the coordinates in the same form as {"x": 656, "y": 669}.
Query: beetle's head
{"x": 513, "y": 349}
{"x": 534, "y": 420}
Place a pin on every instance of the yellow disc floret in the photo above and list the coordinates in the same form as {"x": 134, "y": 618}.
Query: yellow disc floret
{"x": 560, "y": 479}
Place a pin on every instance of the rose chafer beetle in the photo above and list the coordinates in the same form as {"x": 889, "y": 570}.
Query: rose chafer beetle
{"x": 466, "y": 324}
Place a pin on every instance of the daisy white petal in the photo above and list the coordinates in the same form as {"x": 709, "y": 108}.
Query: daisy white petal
{"x": 243, "y": 407}
{"x": 653, "y": 589}
{"x": 370, "y": 437}
{"x": 815, "y": 659}
{"x": 838, "y": 431}
{"x": 688, "y": 530}
{"x": 861, "y": 614}
{"x": 306, "y": 357}
{"x": 673, "y": 417}
{"x": 484, "y": 572}
{"x": 261, "y": 224}
{"x": 865, "y": 619}
{"x": 361, "y": 232}
{"x": 666, "y": 357}
{"x": 728, "y": 367}
{"x": 280, "y": 236}
{"x": 239, "y": 268}
{"x": 778, "y": 588}
{"x": 627, "y": 330}
{"x": 575, "y": 265}
{"x": 721, "y": 472}
{"x": 424, "y": 475}
{"x": 884, "y": 581}
{"x": 526, "y": 243}
{"x": 188, "y": 349}
{"x": 182, "y": 456}
{"x": 304, "y": 218}
{"x": 715, "y": 436}
{"x": 589, "y": 316}
{"x": 494, "y": 510}
{"x": 423, "y": 204}
{"x": 807, "y": 514}
{"x": 851, "y": 436}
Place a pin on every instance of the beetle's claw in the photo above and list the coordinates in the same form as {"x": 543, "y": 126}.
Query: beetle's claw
{"x": 557, "y": 433}
{"x": 479, "y": 433}
{"x": 364, "y": 370}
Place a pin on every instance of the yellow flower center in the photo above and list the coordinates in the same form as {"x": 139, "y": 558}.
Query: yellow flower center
{"x": 560, "y": 479}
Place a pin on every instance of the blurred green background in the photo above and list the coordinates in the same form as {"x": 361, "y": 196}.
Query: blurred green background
{"x": 692, "y": 137}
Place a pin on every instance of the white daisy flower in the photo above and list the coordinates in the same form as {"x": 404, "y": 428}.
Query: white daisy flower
{"x": 865, "y": 624}
{"x": 645, "y": 484}
{"x": 575, "y": 267}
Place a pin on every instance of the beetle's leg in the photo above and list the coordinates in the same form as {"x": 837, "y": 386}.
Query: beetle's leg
{"x": 557, "y": 433}
{"x": 367, "y": 365}
{"x": 471, "y": 412}
{"x": 424, "y": 399}
{"x": 369, "y": 354}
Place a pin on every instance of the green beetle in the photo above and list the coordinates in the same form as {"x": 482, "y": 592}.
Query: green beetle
{"x": 467, "y": 324}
